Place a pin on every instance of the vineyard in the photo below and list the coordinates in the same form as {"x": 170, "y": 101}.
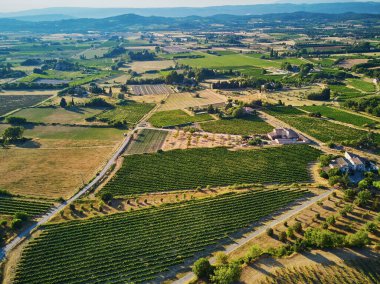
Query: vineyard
{"x": 188, "y": 169}
{"x": 10, "y": 103}
{"x": 131, "y": 113}
{"x": 340, "y": 115}
{"x": 176, "y": 117}
{"x": 238, "y": 126}
{"x": 139, "y": 246}
{"x": 141, "y": 90}
{"x": 322, "y": 130}
{"x": 10, "y": 206}
{"x": 359, "y": 271}
{"x": 147, "y": 141}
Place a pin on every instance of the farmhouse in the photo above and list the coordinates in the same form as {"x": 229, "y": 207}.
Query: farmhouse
{"x": 351, "y": 163}
{"x": 286, "y": 136}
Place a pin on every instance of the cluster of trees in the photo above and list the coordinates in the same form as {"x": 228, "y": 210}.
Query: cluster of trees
{"x": 324, "y": 95}
{"x": 6, "y": 71}
{"x": 73, "y": 91}
{"x": 32, "y": 86}
{"x": 144, "y": 55}
{"x": 367, "y": 141}
{"x": 370, "y": 105}
{"x": 12, "y": 134}
{"x": 222, "y": 273}
{"x": 368, "y": 68}
{"x": 248, "y": 83}
{"x": 145, "y": 81}
{"x": 115, "y": 52}
{"x": 98, "y": 102}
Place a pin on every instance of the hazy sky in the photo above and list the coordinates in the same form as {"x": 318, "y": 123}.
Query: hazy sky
{"x": 18, "y": 5}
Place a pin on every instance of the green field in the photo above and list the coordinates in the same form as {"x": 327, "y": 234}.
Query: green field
{"x": 238, "y": 126}
{"x": 229, "y": 61}
{"x": 10, "y": 103}
{"x": 10, "y": 206}
{"x": 362, "y": 85}
{"x": 344, "y": 93}
{"x": 147, "y": 141}
{"x": 340, "y": 115}
{"x": 136, "y": 247}
{"x": 189, "y": 169}
{"x": 176, "y": 117}
{"x": 70, "y": 132}
{"x": 322, "y": 130}
{"x": 131, "y": 113}
{"x": 57, "y": 115}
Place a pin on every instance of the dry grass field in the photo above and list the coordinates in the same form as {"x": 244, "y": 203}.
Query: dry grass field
{"x": 143, "y": 66}
{"x": 57, "y": 161}
{"x": 186, "y": 100}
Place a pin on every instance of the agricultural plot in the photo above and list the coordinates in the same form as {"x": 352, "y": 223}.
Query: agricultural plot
{"x": 141, "y": 245}
{"x": 9, "y": 103}
{"x": 147, "y": 141}
{"x": 344, "y": 93}
{"x": 230, "y": 61}
{"x": 238, "y": 126}
{"x": 130, "y": 113}
{"x": 176, "y": 117}
{"x": 340, "y": 115}
{"x": 188, "y": 169}
{"x": 73, "y": 115}
{"x": 187, "y": 100}
{"x": 141, "y": 90}
{"x": 322, "y": 130}
{"x": 362, "y": 85}
{"x": 157, "y": 65}
{"x": 92, "y": 53}
{"x": 364, "y": 271}
{"x": 10, "y": 206}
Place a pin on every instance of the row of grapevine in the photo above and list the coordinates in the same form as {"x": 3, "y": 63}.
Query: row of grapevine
{"x": 189, "y": 169}
{"x": 10, "y": 206}
{"x": 139, "y": 246}
{"x": 363, "y": 271}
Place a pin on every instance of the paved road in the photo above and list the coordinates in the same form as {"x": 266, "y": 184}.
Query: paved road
{"x": 4, "y": 251}
{"x": 282, "y": 218}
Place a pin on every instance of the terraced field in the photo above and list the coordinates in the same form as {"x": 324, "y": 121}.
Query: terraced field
{"x": 136, "y": 247}
{"x": 9, "y": 103}
{"x": 128, "y": 114}
{"x": 340, "y": 115}
{"x": 10, "y": 206}
{"x": 147, "y": 141}
{"x": 176, "y": 117}
{"x": 322, "y": 130}
{"x": 188, "y": 169}
{"x": 238, "y": 126}
{"x": 359, "y": 271}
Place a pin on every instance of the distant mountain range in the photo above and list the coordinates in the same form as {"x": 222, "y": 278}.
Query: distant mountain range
{"x": 132, "y": 22}
{"x": 54, "y": 14}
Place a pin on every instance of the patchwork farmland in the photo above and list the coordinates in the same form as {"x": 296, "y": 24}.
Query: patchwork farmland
{"x": 146, "y": 141}
{"x": 141, "y": 90}
{"x": 9, "y": 103}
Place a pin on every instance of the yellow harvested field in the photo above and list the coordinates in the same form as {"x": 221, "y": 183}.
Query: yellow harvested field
{"x": 56, "y": 169}
{"x": 143, "y": 66}
{"x": 186, "y": 100}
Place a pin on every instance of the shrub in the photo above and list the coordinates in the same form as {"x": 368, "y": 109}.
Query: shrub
{"x": 269, "y": 232}
{"x": 363, "y": 198}
{"x": 282, "y": 237}
{"x": 226, "y": 274}
{"x": 202, "y": 268}
{"x": 322, "y": 238}
{"x": 253, "y": 253}
{"x": 290, "y": 233}
{"x": 331, "y": 220}
{"x": 221, "y": 258}
{"x": 16, "y": 120}
{"x": 106, "y": 196}
{"x": 297, "y": 227}
{"x": 22, "y": 216}
{"x": 359, "y": 239}
{"x": 16, "y": 224}
{"x": 371, "y": 227}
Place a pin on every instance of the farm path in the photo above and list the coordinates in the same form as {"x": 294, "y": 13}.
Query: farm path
{"x": 282, "y": 218}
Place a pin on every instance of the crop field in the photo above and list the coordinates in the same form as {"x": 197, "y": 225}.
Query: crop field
{"x": 139, "y": 246}
{"x": 238, "y": 126}
{"x": 131, "y": 113}
{"x": 340, "y": 115}
{"x": 156, "y": 65}
{"x": 141, "y": 90}
{"x": 188, "y": 169}
{"x": 187, "y": 100}
{"x": 10, "y": 206}
{"x": 58, "y": 115}
{"x": 92, "y": 53}
{"x": 365, "y": 271}
{"x": 9, "y": 103}
{"x": 176, "y": 117}
{"x": 344, "y": 93}
{"x": 362, "y": 85}
{"x": 233, "y": 60}
{"x": 147, "y": 141}
{"x": 322, "y": 130}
